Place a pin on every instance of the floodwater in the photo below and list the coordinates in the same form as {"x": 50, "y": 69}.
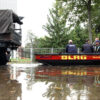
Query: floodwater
{"x": 37, "y": 82}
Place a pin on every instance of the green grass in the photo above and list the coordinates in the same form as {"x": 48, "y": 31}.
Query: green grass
{"x": 20, "y": 60}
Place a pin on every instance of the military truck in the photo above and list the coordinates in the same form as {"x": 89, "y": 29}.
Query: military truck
{"x": 10, "y": 33}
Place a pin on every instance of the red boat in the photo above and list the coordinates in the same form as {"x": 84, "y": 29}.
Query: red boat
{"x": 68, "y": 59}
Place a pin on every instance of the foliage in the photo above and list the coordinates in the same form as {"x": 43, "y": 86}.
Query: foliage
{"x": 41, "y": 43}
{"x": 33, "y": 41}
{"x": 96, "y": 17}
{"x": 56, "y": 26}
{"x": 86, "y": 12}
{"x": 78, "y": 35}
{"x": 70, "y": 19}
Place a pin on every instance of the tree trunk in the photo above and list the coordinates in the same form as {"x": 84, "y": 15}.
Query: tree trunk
{"x": 89, "y": 20}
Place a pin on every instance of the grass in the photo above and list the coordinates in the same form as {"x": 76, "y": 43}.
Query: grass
{"x": 20, "y": 60}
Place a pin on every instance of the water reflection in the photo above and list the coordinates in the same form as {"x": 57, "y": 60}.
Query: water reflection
{"x": 23, "y": 82}
{"x": 9, "y": 89}
{"x": 70, "y": 83}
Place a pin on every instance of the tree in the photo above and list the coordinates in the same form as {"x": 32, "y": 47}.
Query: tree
{"x": 96, "y": 17}
{"x": 81, "y": 11}
{"x": 30, "y": 39}
{"x": 40, "y": 43}
{"x": 56, "y": 26}
{"x": 78, "y": 35}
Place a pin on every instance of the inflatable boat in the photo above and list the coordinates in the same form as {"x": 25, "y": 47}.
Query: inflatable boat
{"x": 68, "y": 59}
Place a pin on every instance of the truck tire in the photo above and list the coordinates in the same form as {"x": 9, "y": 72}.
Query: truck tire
{"x": 3, "y": 58}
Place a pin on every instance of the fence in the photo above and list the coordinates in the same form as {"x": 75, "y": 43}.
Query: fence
{"x": 22, "y": 55}
{"x": 48, "y": 50}
{"x": 27, "y": 54}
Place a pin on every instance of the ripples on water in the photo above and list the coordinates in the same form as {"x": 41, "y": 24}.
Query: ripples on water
{"x": 32, "y": 81}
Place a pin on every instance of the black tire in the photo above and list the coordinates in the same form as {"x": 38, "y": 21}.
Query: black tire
{"x": 3, "y": 58}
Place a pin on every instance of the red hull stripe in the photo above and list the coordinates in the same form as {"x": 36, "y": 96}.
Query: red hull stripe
{"x": 67, "y": 57}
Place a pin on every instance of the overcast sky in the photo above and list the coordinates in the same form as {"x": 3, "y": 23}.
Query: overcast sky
{"x": 35, "y": 13}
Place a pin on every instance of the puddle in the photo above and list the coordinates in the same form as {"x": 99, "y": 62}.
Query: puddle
{"x": 34, "y": 81}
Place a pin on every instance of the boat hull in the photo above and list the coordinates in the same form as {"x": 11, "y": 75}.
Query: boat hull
{"x": 68, "y": 59}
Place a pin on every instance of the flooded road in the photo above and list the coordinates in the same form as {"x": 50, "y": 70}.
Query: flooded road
{"x": 36, "y": 82}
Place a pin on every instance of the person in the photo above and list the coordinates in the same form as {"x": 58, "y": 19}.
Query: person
{"x": 71, "y": 48}
{"x": 8, "y": 54}
{"x": 97, "y": 47}
{"x": 20, "y": 51}
{"x": 87, "y": 47}
{"x": 96, "y": 40}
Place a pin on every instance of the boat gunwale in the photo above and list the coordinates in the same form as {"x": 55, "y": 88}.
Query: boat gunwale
{"x": 68, "y": 54}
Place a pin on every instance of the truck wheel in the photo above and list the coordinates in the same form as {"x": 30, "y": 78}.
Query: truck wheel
{"x": 3, "y": 58}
